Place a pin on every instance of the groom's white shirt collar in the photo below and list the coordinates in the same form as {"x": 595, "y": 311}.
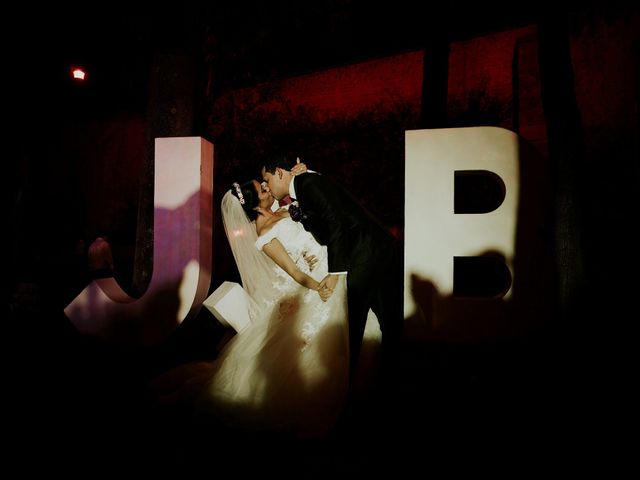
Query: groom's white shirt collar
{"x": 292, "y": 188}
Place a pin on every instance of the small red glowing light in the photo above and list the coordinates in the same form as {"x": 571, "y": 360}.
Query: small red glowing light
{"x": 78, "y": 74}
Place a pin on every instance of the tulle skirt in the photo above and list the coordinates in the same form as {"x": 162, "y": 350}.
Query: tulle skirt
{"x": 288, "y": 371}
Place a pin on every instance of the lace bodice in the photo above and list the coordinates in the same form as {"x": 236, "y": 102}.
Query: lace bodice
{"x": 297, "y": 241}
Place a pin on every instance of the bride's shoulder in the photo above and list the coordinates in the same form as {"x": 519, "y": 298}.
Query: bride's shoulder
{"x": 262, "y": 228}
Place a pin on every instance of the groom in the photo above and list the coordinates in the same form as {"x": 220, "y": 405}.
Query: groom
{"x": 358, "y": 246}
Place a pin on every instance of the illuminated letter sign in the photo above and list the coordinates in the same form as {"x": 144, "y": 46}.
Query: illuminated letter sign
{"x": 182, "y": 247}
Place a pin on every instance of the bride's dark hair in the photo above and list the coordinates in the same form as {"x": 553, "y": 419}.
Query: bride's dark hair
{"x": 248, "y": 197}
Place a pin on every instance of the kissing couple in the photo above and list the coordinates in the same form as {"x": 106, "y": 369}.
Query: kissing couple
{"x": 314, "y": 271}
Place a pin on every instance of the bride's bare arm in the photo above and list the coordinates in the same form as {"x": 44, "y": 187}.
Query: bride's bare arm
{"x": 278, "y": 254}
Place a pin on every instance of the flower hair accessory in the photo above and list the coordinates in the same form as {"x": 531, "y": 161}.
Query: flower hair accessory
{"x": 239, "y": 192}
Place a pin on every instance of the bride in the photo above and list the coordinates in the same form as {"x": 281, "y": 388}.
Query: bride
{"x": 288, "y": 371}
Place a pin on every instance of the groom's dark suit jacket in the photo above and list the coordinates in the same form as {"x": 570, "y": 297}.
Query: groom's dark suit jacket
{"x": 337, "y": 220}
{"x": 358, "y": 244}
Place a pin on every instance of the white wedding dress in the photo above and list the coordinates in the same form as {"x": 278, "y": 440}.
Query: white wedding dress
{"x": 288, "y": 370}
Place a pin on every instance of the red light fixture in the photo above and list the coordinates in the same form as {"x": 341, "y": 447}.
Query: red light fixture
{"x": 78, "y": 73}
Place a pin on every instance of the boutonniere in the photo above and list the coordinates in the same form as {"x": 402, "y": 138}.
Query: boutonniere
{"x": 295, "y": 211}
